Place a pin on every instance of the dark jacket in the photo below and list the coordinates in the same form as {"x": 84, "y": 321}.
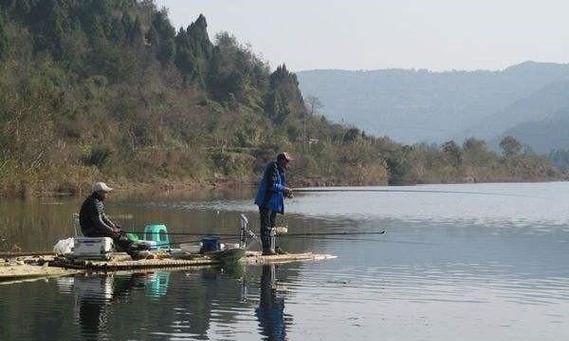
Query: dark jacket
{"x": 271, "y": 189}
{"x": 92, "y": 218}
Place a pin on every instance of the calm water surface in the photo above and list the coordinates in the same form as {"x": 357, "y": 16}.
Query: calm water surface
{"x": 458, "y": 262}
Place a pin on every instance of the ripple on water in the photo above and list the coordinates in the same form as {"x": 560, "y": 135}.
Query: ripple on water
{"x": 466, "y": 284}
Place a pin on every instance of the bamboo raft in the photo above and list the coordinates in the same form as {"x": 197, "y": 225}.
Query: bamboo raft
{"x": 51, "y": 266}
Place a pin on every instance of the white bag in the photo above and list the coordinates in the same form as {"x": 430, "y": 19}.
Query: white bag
{"x": 64, "y": 246}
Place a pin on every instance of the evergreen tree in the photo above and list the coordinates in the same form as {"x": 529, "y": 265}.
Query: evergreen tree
{"x": 163, "y": 37}
{"x": 284, "y": 88}
{"x": 118, "y": 31}
{"x": 54, "y": 30}
{"x": 3, "y": 37}
{"x": 195, "y": 52}
{"x": 133, "y": 30}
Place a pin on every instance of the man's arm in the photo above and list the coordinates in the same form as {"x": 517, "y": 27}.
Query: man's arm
{"x": 103, "y": 223}
{"x": 104, "y": 226}
{"x": 274, "y": 185}
{"x": 273, "y": 176}
{"x": 108, "y": 221}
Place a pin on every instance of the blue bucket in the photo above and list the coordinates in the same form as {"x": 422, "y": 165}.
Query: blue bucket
{"x": 210, "y": 244}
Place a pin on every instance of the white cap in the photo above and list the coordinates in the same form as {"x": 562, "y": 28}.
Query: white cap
{"x": 101, "y": 187}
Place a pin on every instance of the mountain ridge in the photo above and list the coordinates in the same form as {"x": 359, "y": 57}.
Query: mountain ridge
{"x": 413, "y": 105}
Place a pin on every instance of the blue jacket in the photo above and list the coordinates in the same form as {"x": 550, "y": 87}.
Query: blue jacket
{"x": 271, "y": 189}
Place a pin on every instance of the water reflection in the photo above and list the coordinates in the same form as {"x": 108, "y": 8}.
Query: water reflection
{"x": 95, "y": 296}
{"x": 187, "y": 304}
{"x": 270, "y": 313}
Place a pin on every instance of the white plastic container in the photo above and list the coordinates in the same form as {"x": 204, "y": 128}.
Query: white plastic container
{"x": 191, "y": 248}
{"x": 64, "y": 246}
{"x": 93, "y": 248}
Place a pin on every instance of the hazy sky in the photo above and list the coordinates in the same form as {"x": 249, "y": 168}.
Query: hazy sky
{"x": 358, "y": 34}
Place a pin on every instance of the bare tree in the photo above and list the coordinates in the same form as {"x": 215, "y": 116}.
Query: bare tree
{"x": 313, "y": 104}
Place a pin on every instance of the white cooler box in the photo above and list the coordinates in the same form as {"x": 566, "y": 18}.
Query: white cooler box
{"x": 93, "y": 248}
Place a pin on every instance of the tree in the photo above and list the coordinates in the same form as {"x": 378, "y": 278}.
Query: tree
{"x": 399, "y": 166}
{"x": 476, "y": 153}
{"x": 161, "y": 37}
{"x": 284, "y": 87}
{"x": 313, "y": 104}
{"x": 194, "y": 52}
{"x": 3, "y": 37}
{"x": 474, "y": 145}
{"x": 453, "y": 152}
{"x": 351, "y": 135}
{"x": 133, "y": 30}
{"x": 510, "y": 146}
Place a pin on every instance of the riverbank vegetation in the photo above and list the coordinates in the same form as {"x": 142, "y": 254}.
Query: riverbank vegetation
{"x": 109, "y": 90}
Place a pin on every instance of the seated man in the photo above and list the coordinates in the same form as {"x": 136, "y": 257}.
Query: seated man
{"x": 95, "y": 223}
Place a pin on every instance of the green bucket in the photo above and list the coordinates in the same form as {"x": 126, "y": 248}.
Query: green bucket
{"x": 159, "y": 234}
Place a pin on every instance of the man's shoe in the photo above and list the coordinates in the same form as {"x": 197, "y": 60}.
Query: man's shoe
{"x": 269, "y": 252}
{"x": 280, "y": 251}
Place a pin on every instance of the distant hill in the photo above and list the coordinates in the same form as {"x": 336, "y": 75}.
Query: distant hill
{"x": 419, "y": 105}
{"x": 549, "y": 133}
{"x": 540, "y": 105}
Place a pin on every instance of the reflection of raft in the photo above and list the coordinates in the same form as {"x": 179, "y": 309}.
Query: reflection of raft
{"x": 49, "y": 266}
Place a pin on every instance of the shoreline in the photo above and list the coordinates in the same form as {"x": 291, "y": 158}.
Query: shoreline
{"x": 224, "y": 184}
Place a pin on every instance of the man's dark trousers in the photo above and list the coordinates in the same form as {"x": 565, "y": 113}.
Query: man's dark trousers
{"x": 268, "y": 219}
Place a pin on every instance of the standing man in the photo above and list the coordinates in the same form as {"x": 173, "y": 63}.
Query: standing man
{"x": 95, "y": 223}
{"x": 270, "y": 199}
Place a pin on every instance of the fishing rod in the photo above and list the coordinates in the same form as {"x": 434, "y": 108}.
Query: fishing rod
{"x": 314, "y": 235}
{"x": 184, "y": 233}
{"x": 187, "y": 241}
{"x": 340, "y": 239}
{"x": 390, "y": 241}
{"x": 342, "y": 190}
{"x": 310, "y": 234}
{"x": 280, "y": 235}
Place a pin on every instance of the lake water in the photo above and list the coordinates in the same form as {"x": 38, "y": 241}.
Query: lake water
{"x": 458, "y": 262}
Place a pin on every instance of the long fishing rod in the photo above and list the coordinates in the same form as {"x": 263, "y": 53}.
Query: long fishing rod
{"x": 188, "y": 241}
{"x": 280, "y": 235}
{"x": 310, "y": 234}
{"x": 341, "y": 190}
{"x": 390, "y": 241}
{"x": 293, "y": 237}
{"x": 340, "y": 239}
{"x": 322, "y": 235}
{"x": 184, "y": 233}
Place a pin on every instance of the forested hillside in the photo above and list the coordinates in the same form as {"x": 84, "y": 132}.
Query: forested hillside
{"x": 540, "y": 105}
{"x": 419, "y": 105}
{"x": 109, "y": 90}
